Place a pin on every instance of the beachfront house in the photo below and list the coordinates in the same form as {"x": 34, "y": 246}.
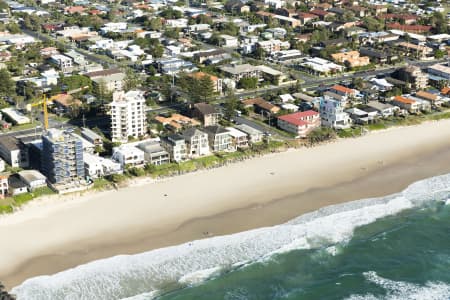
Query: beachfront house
{"x": 219, "y": 139}
{"x": 300, "y": 123}
{"x": 254, "y": 135}
{"x": 128, "y": 155}
{"x": 175, "y": 146}
{"x": 239, "y": 139}
{"x": 96, "y": 166}
{"x": 33, "y": 179}
{"x": 154, "y": 153}
{"x": 384, "y": 109}
{"x": 197, "y": 142}
{"x": 332, "y": 113}
{"x": 410, "y": 105}
{"x": 4, "y": 186}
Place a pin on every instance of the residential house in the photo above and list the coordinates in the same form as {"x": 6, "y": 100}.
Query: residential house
{"x": 261, "y": 106}
{"x": 128, "y": 155}
{"x": 379, "y": 57}
{"x": 254, "y": 135}
{"x": 212, "y": 55}
{"x": 228, "y": 41}
{"x": 217, "y": 82}
{"x": 320, "y": 66}
{"x": 206, "y": 113}
{"x": 96, "y": 166}
{"x": 33, "y": 179}
{"x": 64, "y": 63}
{"x": 417, "y": 51}
{"x": 239, "y": 139}
{"x": 271, "y": 46}
{"x": 237, "y": 72}
{"x": 154, "y": 152}
{"x": 307, "y": 17}
{"x": 358, "y": 116}
{"x": 351, "y": 58}
{"x": 4, "y": 186}
{"x": 384, "y": 109}
{"x": 112, "y": 79}
{"x": 176, "y": 146}
{"x": 332, "y": 113}
{"x": 409, "y": 28}
{"x": 219, "y": 138}
{"x": 16, "y": 185}
{"x": 13, "y": 152}
{"x": 300, "y": 123}
{"x": 92, "y": 136}
{"x": 434, "y": 99}
{"x": 322, "y": 14}
{"x": 236, "y": 6}
{"x": 440, "y": 70}
{"x": 343, "y": 91}
{"x": 196, "y": 142}
{"x": 410, "y": 105}
{"x": 177, "y": 122}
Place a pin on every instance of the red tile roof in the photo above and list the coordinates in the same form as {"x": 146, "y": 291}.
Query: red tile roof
{"x": 410, "y": 28}
{"x": 297, "y": 118}
{"x": 404, "y": 100}
{"x": 342, "y": 89}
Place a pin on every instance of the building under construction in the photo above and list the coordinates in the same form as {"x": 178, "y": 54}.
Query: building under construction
{"x": 62, "y": 157}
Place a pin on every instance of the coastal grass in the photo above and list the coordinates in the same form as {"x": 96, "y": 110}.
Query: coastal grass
{"x": 395, "y": 121}
{"x": 9, "y": 204}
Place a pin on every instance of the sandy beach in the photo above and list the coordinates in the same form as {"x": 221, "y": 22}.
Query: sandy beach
{"x": 61, "y": 232}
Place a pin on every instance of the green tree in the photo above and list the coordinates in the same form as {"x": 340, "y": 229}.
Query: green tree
{"x": 13, "y": 28}
{"x": 173, "y": 33}
{"x": 373, "y": 24}
{"x": 75, "y": 82}
{"x": 132, "y": 80}
{"x": 171, "y": 13}
{"x": 260, "y": 53}
{"x": 154, "y": 24}
{"x": 7, "y": 85}
{"x": 439, "y": 54}
{"x": 206, "y": 87}
{"x": 248, "y": 83}
{"x": 231, "y": 105}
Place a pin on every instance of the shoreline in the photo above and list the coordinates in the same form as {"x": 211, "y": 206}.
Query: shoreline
{"x": 271, "y": 189}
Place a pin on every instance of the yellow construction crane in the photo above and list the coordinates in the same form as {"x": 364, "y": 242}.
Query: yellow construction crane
{"x": 45, "y": 101}
{"x": 42, "y": 102}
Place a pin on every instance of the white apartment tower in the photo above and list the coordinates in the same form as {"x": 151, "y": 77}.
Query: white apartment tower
{"x": 128, "y": 116}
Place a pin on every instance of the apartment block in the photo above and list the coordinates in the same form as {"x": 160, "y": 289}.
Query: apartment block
{"x": 128, "y": 117}
{"x": 62, "y": 156}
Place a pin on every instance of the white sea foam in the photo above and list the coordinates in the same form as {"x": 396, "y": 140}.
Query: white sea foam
{"x": 399, "y": 290}
{"x": 199, "y": 276}
{"x": 132, "y": 275}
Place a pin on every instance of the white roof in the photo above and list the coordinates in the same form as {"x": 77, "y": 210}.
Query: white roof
{"x": 17, "y": 116}
{"x": 286, "y": 98}
{"x": 235, "y": 132}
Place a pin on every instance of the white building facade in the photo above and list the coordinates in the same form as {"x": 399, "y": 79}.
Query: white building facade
{"x": 128, "y": 116}
{"x": 332, "y": 113}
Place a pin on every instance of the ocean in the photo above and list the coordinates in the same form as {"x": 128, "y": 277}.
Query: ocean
{"x": 392, "y": 247}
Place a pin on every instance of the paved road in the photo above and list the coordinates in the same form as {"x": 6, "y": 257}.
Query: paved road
{"x": 44, "y": 38}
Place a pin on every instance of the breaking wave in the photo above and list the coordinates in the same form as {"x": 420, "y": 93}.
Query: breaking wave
{"x": 144, "y": 275}
{"x": 399, "y": 290}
